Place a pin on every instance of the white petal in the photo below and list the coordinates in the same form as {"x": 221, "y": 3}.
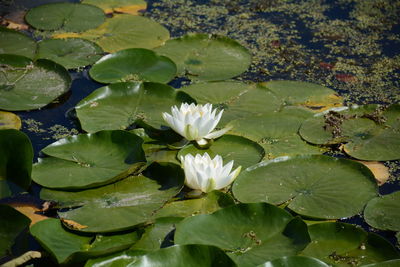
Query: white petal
{"x": 225, "y": 181}
{"x": 190, "y": 132}
{"x": 218, "y": 133}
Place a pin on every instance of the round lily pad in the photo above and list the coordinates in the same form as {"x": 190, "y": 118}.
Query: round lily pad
{"x": 120, "y": 6}
{"x": 9, "y": 120}
{"x": 341, "y": 244}
{"x": 15, "y": 161}
{"x": 370, "y": 132}
{"x": 71, "y": 53}
{"x": 207, "y": 57}
{"x": 12, "y": 223}
{"x": 13, "y": 42}
{"x": 26, "y": 85}
{"x": 243, "y": 151}
{"x": 117, "y": 259}
{"x": 391, "y": 263}
{"x": 384, "y": 212}
{"x": 134, "y": 101}
{"x": 124, "y": 31}
{"x": 251, "y": 234}
{"x": 135, "y": 64}
{"x": 65, "y": 16}
{"x": 295, "y": 261}
{"x": 125, "y": 204}
{"x": 315, "y": 186}
{"x": 89, "y": 160}
{"x": 238, "y": 100}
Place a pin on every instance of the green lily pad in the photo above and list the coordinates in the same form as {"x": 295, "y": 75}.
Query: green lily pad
{"x": 391, "y": 263}
{"x": 121, "y": 6}
{"x": 135, "y": 203}
{"x": 11, "y": 224}
{"x": 249, "y": 233}
{"x": 119, "y": 259}
{"x": 341, "y": 244}
{"x": 15, "y": 161}
{"x": 71, "y": 53}
{"x": 13, "y": 42}
{"x": 369, "y": 133}
{"x": 26, "y": 85}
{"x": 135, "y": 64}
{"x": 316, "y": 186}
{"x": 89, "y": 160}
{"x": 155, "y": 234}
{"x": 243, "y": 151}
{"x": 294, "y": 261}
{"x": 9, "y": 120}
{"x": 124, "y": 31}
{"x": 211, "y": 202}
{"x": 182, "y": 256}
{"x": 384, "y": 212}
{"x": 207, "y": 57}
{"x": 310, "y": 95}
{"x": 66, "y": 247}
{"x": 238, "y": 100}
{"x": 135, "y": 101}
{"x": 70, "y": 17}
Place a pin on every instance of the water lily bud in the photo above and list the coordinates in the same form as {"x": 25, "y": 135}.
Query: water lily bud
{"x": 195, "y": 122}
{"x": 206, "y": 174}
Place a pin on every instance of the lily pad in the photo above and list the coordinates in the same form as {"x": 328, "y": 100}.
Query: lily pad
{"x": 89, "y": 160}
{"x": 13, "y": 42}
{"x": 384, "y": 212}
{"x": 341, "y": 244}
{"x": 207, "y": 57}
{"x": 135, "y": 203}
{"x": 249, "y": 233}
{"x": 65, "y": 16}
{"x": 66, "y": 247}
{"x": 391, "y": 263}
{"x": 294, "y": 261}
{"x": 124, "y": 31}
{"x": 9, "y": 120}
{"x": 370, "y": 132}
{"x": 11, "y": 225}
{"x": 119, "y": 259}
{"x": 188, "y": 255}
{"x": 71, "y": 53}
{"x": 135, "y": 64}
{"x": 243, "y": 151}
{"x": 310, "y": 95}
{"x": 315, "y": 186}
{"x": 26, "y": 85}
{"x": 238, "y": 100}
{"x": 135, "y": 101}
{"x": 15, "y": 161}
{"x": 120, "y": 6}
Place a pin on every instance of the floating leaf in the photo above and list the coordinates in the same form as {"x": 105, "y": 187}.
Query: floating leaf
{"x": 207, "y": 57}
{"x": 188, "y": 255}
{"x": 250, "y": 233}
{"x": 120, "y": 6}
{"x": 71, "y": 53}
{"x": 120, "y": 259}
{"x": 294, "y": 261}
{"x": 65, "y": 16}
{"x": 127, "y": 203}
{"x": 13, "y": 42}
{"x": 315, "y": 186}
{"x": 9, "y": 120}
{"x": 30, "y": 211}
{"x": 28, "y": 85}
{"x": 384, "y": 212}
{"x": 135, "y": 101}
{"x": 15, "y": 161}
{"x": 230, "y": 147}
{"x": 380, "y": 171}
{"x": 135, "y": 64}
{"x": 11, "y": 224}
{"x": 125, "y": 31}
{"x": 391, "y": 263}
{"x": 65, "y": 246}
{"x": 89, "y": 160}
{"x": 341, "y": 244}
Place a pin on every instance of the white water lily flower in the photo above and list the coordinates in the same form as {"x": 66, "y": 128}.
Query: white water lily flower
{"x": 206, "y": 174}
{"x": 195, "y": 122}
